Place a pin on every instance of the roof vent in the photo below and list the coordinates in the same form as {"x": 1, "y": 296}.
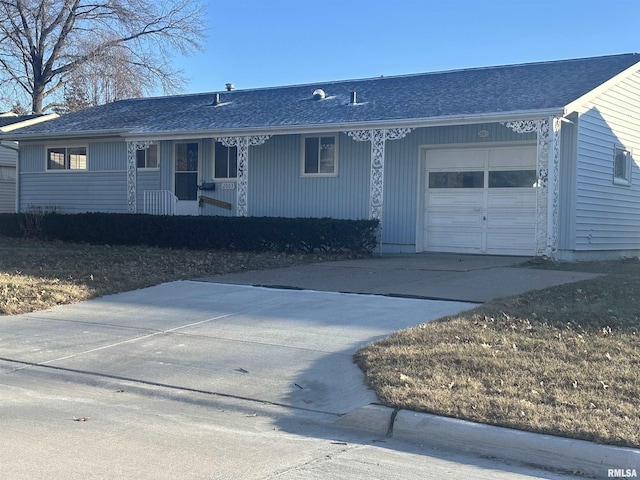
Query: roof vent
{"x": 319, "y": 94}
{"x": 216, "y": 100}
{"x": 230, "y": 86}
{"x": 354, "y": 97}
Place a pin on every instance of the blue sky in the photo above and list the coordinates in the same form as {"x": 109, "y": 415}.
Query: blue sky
{"x": 262, "y": 43}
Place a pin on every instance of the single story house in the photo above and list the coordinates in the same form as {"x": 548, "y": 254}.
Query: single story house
{"x": 9, "y": 156}
{"x": 535, "y": 159}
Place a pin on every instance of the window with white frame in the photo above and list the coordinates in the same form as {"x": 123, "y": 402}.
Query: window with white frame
{"x": 320, "y": 157}
{"x": 622, "y": 166}
{"x": 7, "y": 173}
{"x": 226, "y": 162}
{"x": 67, "y": 158}
{"x": 147, "y": 158}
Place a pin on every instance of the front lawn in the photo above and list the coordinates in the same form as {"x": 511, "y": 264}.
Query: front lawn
{"x": 35, "y": 275}
{"x": 562, "y": 361}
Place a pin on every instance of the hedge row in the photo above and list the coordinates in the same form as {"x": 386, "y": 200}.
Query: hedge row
{"x": 204, "y": 232}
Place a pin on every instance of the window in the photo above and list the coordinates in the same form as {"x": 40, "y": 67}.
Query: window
{"x": 456, "y": 180}
{"x": 147, "y": 158}
{"x": 7, "y": 173}
{"x": 512, "y": 178}
{"x": 226, "y": 161}
{"x": 67, "y": 158}
{"x": 622, "y": 166}
{"x": 320, "y": 157}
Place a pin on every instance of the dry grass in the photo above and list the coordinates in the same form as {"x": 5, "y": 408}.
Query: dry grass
{"x": 35, "y": 275}
{"x": 563, "y": 361}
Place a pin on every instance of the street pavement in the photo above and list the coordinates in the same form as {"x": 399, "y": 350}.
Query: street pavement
{"x": 207, "y": 380}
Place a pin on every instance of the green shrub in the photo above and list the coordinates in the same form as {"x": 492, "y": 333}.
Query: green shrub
{"x": 10, "y": 225}
{"x": 218, "y": 233}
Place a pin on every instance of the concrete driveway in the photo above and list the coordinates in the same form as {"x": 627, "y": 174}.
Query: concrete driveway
{"x": 166, "y": 378}
{"x": 438, "y": 276}
{"x": 284, "y": 347}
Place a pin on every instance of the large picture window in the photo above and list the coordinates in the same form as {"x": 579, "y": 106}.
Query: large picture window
{"x": 226, "y": 162}
{"x": 67, "y": 158}
{"x": 320, "y": 156}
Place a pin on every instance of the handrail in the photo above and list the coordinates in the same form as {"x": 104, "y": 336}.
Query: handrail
{"x": 160, "y": 202}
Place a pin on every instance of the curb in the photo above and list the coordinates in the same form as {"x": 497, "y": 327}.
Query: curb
{"x": 545, "y": 451}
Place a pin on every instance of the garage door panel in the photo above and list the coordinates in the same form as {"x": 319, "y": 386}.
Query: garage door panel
{"x": 497, "y": 220}
{"x": 470, "y": 221}
{"x": 510, "y": 220}
{"x": 509, "y": 243}
{"x": 444, "y": 238}
{"x": 523, "y": 199}
{"x": 457, "y": 159}
{"x": 512, "y": 157}
{"x": 456, "y": 200}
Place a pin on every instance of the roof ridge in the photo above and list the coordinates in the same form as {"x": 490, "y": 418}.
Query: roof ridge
{"x": 319, "y": 84}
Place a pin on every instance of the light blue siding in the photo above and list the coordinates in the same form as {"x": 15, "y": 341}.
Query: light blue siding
{"x": 276, "y": 187}
{"x": 166, "y": 165}
{"x": 8, "y": 158}
{"x": 32, "y": 158}
{"x": 107, "y": 156}
{"x": 102, "y": 187}
{"x": 567, "y": 185}
{"x": 74, "y": 192}
{"x": 146, "y": 180}
{"x": 607, "y": 216}
{"x": 276, "y": 184}
{"x": 402, "y": 169}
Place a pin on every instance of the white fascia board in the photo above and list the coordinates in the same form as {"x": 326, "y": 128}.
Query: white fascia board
{"x": 46, "y": 137}
{"x": 335, "y": 127}
{"x": 596, "y": 92}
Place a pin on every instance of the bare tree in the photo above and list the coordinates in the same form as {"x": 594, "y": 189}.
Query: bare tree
{"x": 47, "y": 43}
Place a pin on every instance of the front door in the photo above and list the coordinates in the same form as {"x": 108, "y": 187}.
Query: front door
{"x": 186, "y": 177}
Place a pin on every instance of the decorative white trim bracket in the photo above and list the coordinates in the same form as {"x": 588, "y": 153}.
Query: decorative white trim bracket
{"x": 548, "y": 171}
{"x": 378, "y": 140}
{"x": 243, "y": 144}
{"x": 132, "y": 169}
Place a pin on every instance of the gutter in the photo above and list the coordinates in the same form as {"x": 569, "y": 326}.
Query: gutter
{"x": 75, "y": 135}
{"x": 298, "y": 129}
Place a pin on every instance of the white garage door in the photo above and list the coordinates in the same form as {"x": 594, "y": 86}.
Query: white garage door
{"x": 480, "y": 200}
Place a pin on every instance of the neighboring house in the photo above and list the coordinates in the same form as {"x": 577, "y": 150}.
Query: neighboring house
{"x": 9, "y": 156}
{"x": 532, "y": 159}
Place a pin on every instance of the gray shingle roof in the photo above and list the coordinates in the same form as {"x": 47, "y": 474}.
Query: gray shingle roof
{"x": 471, "y": 92}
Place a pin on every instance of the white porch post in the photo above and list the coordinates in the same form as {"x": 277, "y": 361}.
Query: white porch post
{"x": 243, "y": 144}
{"x": 378, "y": 140}
{"x": 553, "y": 216}
{"x": 132, "y": 148}
{"x": 548, "y": 174}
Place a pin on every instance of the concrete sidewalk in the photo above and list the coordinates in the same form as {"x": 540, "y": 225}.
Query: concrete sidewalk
{"x": 437, "y": 276}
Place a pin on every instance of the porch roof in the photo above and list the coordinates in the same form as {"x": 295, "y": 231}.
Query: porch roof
{"x": 470, "y": 93}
